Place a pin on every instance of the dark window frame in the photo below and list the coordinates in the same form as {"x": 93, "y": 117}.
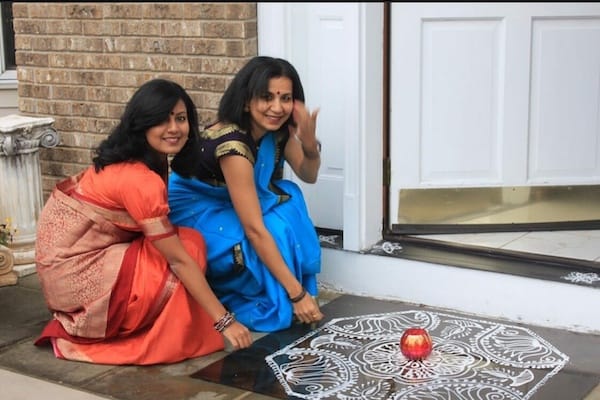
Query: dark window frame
{"x": 8, "y": 37}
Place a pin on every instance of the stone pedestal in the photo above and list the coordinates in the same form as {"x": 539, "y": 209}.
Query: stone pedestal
{"x": 7, "y": 275}
{"x": 21, "y": 196}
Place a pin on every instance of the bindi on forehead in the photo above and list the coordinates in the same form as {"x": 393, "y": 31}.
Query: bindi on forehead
{"x": 281, "y": 92}
{"x": 280, "y": 86}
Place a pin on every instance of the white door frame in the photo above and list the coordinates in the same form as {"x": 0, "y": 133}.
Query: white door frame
{"x": 363, "y": 189}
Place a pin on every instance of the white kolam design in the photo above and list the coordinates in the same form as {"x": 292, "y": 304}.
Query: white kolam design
{"x": 359, "y": 358}
{"x": 329, "y": 239}
{"x": 582, "y": 277}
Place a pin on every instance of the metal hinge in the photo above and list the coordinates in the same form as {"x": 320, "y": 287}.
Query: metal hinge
{"x": 386, "y": 172}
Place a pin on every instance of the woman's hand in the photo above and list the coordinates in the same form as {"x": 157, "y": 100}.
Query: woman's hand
{"x": 303, "y": 149}
{"x": 305, "y": 128}
{"x": 307, "y": 310}
{"x": 238, "y": 335}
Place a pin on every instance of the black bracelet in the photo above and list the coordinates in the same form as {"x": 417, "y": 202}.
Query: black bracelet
{"x": 299, "y": 297}
{"x": 311, "y": 155}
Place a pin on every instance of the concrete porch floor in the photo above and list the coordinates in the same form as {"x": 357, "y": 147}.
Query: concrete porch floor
{"x": 29, "y": 372}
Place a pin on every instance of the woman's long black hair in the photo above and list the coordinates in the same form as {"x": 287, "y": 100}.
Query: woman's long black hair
{"x": 149, "y": 106}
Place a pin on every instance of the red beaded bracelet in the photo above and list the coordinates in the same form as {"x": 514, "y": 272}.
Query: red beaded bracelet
{"x": 224, "y": 321}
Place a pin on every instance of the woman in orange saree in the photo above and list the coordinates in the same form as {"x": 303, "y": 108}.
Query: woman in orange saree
{"x": 124, "y": 285}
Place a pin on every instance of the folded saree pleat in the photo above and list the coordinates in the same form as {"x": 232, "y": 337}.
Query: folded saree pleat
{"x": 117, "y": 305}
{"x": 79, "y": 256}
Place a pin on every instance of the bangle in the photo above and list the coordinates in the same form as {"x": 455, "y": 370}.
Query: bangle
{"x": 299, "y": 297}
{"x": 226, "y": 320}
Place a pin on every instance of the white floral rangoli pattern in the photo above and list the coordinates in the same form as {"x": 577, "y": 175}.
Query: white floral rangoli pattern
{"x": 582, "y": 277}
{"x": 359, "y": 358}
{"x": 329, "y": 239}
{"x": 391, "y": 248}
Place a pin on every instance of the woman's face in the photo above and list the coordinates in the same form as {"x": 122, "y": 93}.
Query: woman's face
{"x": 170, "y": 136}
{"x": 271, "y": 110}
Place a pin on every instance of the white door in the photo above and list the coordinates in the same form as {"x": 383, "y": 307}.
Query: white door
{"x": 494, "y": 94}
{"x": 338, "y": 51}
{"x": 319, "y": 44}
{"x": 328, "y": 69}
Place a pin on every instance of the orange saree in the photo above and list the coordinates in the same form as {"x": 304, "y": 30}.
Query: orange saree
{"x": 113, "y": 296}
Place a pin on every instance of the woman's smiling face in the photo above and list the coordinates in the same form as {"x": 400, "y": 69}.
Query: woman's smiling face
{"x": 170, "y": 136}
{"x": 271, "y": 110}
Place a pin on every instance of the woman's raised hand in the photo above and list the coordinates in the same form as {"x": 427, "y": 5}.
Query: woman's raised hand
{"x": 305, "y": 128}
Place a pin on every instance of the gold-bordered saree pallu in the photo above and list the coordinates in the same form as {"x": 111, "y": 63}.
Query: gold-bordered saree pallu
{"x": 113, "y": 296}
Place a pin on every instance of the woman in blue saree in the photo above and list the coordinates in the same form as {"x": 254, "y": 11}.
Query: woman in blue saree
{"x": 263, "y": 249}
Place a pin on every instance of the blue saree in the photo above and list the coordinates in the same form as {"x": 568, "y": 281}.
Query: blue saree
{"x": 239, "y": 278}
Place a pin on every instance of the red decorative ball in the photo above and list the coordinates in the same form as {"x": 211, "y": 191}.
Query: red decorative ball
{"x": 416, "y": 344}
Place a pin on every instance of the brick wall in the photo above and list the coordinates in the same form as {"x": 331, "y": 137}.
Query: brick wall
{"x": 79, "y": 63}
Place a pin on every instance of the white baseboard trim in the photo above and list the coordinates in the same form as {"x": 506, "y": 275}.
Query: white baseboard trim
{"x": 487, "y": 294}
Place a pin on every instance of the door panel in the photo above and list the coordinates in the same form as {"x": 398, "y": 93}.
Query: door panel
{"x": 459, "y": 102}
{"x": 564, "y": 142}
